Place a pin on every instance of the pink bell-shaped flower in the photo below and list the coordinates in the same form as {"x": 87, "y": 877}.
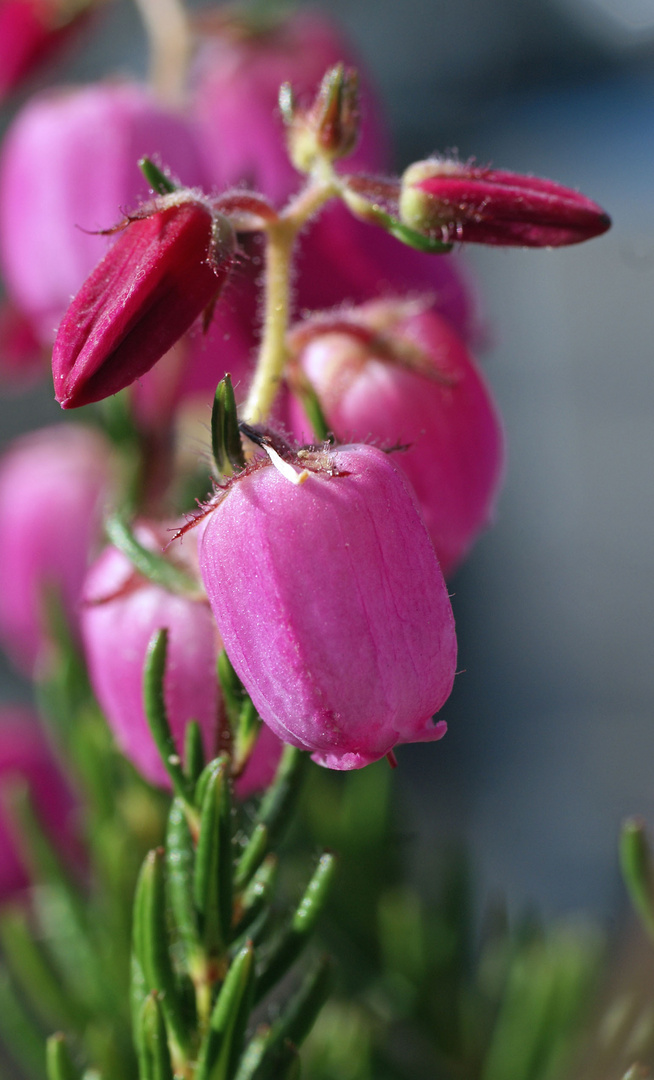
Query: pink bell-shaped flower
{"x": 26, "y": 758}
{"x": 69, "y": 169}
{"x": 396, "y": 373}
{"x": 121, "y": 610}
{"x": 331, "y": 604}
{"x": 53, "y": 486}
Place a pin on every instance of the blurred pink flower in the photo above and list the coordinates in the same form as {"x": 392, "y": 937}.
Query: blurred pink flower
{"x": 238, "y": 75}
{"x": 121, "y": 611}
{"x": 331, "y": 605}
{"x": 30, "y": 32}
{"x": 26, "y": 757}
{"x": 53, "y": 485}
{"x": 68, "y": 169}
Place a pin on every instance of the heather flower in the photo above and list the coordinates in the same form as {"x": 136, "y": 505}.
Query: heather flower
{"x": 26, "y": 758}
{"x": 166, "y": 267}
{"x": 453, "y": 200}
{"x": 396, "y": 373}
{"x": 68, "y": 170}
{"x": 121, "y": 610}
{"x": 238, "y": 76}
{"x": 331, "y": 604}
{"x": 53, "y": 485}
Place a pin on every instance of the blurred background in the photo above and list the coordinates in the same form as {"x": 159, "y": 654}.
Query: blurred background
{"x": 551, "y": 739}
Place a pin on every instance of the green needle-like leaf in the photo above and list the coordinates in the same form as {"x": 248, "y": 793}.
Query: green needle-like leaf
{"x": 157, "y": 714}
{"x": 225, "y": 436}
{"x": 180, "y": 860}
{"x": 287, "y": 947}
{"x": 158, "y": 180}
{"x": 20, "y": 1035}
{"x": 150, "y": 565}
{"x": 279, "y": 801}
{"x": 212, "y": 883}
{"x": 153, "y": 951}
{"x": 637, "y": 866}
{"x": 193, "y": 752}
{"x": 257, "y": 895}
{"x": 253, "y": 854}
{"x": 154, "y": 1060}
{"x": 59, "y": 1063}
{"x": 224, "y": 1041}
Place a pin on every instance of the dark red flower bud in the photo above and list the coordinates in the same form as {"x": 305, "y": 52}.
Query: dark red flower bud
{"x": 167, "y": 266}
{"x": 457, "y": 201}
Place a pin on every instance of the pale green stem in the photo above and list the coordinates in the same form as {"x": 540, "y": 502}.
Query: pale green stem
{"x": 280, "y": 242}
{"x": 169, "y": 36}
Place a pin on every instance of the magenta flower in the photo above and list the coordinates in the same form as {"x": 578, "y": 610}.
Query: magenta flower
{"x": 26, "y": 757}
{"x": 166, "y": 267}
{"x": 457, "y": 201}
{"x": 396, "y": 373}
{"x": 68, "y": 170}
{"x": 30, "y": 32}
{"x": 238, "y": 76}
{"x": 331, "y": 605}
{"x": 120, "y": 613}
{"x": 53, "y": 485}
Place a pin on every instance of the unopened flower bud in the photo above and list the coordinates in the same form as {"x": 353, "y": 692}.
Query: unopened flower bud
{"x": 331, "y": 604}
{"x": 53, "y": 486}
{"x": 329, "y": 127}
{"x": 395, "y": 372}
{"x": 165, "y": 268}
{"x": 121, "y": 611}
{"x": 454, "y": 201}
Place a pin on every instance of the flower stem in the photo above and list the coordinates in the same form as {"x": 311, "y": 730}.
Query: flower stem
{"x": 167, "y": 26}
{"x": 281, "y": 236}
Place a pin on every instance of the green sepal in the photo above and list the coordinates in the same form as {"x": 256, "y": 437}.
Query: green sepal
{"x": 212, "y": 879}
{"x": 225, "y": 435}
{"x": 154, "y": 1057}
{"x": 157, "y": 715}
{"x": 155, "y": 568}
{"x": 59, "y": 1064}
{"x": 284, "y": 950}
{"x": 637, "y": 866}
{"x": 374, "y": 215}
{"x": 153, "y": 951}
{"x": 223, "y": 1043}
{"x": 304, "y": 390}
{"x": 194, "y": 761}
{"x": 159, "y": 181}
{"x": 257, "y": 895}
{"x": 180, "y": 860}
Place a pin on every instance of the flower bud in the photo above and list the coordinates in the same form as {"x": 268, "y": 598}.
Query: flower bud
{"x": 53, "y": 485}
{"x": 329, "y": 128}
{"x": 68, "y": 169}
{"x": 121, "y": 611}
{"x": 456, "y": 201}
{"x": 238, "y": 75}
{"x": 26, "y": 758}
{"x": 167, "y": 265}
{"x": 331, "y": 604}
{"x": 396, "y": 373}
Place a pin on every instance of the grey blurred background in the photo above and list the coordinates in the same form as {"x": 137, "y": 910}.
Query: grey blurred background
{"x": 551, "y": 738}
